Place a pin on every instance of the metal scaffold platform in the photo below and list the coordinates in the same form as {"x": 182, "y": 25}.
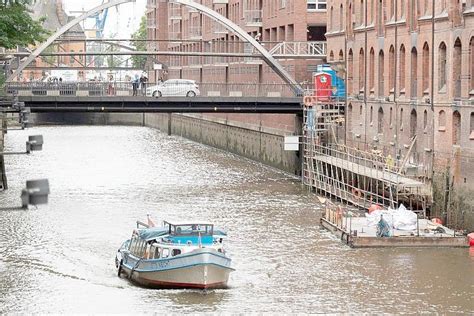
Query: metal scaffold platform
{"x": 358, "y": 177}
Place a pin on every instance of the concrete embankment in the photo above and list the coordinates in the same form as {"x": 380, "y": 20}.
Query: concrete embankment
{"x": 250, "y": 140}
{"x": 252, "y": 136}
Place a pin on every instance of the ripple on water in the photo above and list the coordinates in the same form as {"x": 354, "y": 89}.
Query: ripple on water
{"x": 60, "y": 257}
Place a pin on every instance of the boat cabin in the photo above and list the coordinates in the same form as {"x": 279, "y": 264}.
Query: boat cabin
{"x": 173, "y": 239}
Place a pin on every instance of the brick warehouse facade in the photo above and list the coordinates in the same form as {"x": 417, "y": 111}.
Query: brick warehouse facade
{"x": 275, "y": 20}
{"x": 388, "y": 51}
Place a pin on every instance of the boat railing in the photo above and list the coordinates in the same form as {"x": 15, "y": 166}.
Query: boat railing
{"x": 140, "y": 223}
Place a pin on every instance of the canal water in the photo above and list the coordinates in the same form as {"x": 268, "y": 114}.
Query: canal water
{"x": 59, "y": 257}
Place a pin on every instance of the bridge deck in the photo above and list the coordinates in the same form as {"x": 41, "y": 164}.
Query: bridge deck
{"x": 166, "y": 104}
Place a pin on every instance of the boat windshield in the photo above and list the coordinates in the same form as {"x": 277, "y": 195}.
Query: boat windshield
{"x": 191, "y": 230}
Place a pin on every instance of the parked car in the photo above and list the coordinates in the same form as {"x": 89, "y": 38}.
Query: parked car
{"x": 174, "y": 88}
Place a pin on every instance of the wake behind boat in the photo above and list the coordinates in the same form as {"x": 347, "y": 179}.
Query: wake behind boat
{"x": 176, "y": 255}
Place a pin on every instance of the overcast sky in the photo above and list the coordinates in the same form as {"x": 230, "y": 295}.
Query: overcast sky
{"x": 122, "y": 20}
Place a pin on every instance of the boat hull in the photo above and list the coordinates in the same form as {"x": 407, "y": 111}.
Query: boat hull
{"x": 201, "y": 269}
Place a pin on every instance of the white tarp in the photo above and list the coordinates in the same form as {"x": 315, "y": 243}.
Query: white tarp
{"x": 401, "y": 218}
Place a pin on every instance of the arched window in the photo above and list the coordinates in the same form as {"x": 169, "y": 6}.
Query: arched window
{"x": 392, "y": 9}
{"x": 413, "y": 14}
{"x": 341, "y": 18}
{"x": 349, "y": 117}
{"x": 331, "y": 56}
{"x": 349, "y": 19}
{"x": 361, "y": 69}
{"x": 391, "y": 72}
{"x": 472, "y": 123}
{"x": 371, "y": 118}
{"x": 380, "y": 17}
{"x": 413, "y": 123}
{"x": 442, "y": 5}
{"x": 442, "y": 121}
{"x": 426, "y": 69}
{"x": 341, "y": 55}
{"x": 390, "y": 118}
{"x": 331, "y": 19}
{"x": 402, "y": 69}
{"x": 456, "y": 128}
{"x": 401, "y": 119}
{"x": 457, "y": 66}
{"x": 381, "y": 74}
{"x": 372, "y": 11}
{"x": 361, "y": 13}
{"x": 414, "y": 73}
{"x": 380, "y": 121}
{"x": 350, "y": 71}
{"x": 442, "y": 66}
{"x": 425, "y": 120}
{"x": 372, "y": 70}
{"x": 471, "y": 67}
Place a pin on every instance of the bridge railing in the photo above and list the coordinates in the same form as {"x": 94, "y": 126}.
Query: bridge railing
{"x": 117, "y": 89}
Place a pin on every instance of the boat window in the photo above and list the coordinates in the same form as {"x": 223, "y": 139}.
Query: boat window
{"x": 176, "y": 252}
{"x": 219, "y": 250}
{"x": 151, "y": 252}
{"x": 166, "y": 252}
{"x": 157, "y": 253}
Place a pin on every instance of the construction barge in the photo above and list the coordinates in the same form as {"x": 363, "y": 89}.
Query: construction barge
{"x": 356, "y": 233}
{"x": 366, "y": 177}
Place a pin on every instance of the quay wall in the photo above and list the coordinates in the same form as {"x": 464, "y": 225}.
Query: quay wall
{"x": 259, "y": 137}
{"x": 252, "y": 138}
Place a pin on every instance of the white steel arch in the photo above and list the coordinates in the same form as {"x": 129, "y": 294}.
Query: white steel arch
{"x": 61, "y": 31}
{"x": 231, "y": 26}
{"x": 234, "y": 28}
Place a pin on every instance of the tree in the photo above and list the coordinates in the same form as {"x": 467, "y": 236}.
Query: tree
{"x": 140, "y": 34}
{"x": 17, "y": 27}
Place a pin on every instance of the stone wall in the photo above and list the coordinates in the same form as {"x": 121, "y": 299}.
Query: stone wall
{"x": 252, "y": 141}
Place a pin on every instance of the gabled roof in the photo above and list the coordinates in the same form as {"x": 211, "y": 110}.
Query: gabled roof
{"x": 55, "y": 18}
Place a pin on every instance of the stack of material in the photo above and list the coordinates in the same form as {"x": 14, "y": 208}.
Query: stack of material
{"x": 400, "y": 219}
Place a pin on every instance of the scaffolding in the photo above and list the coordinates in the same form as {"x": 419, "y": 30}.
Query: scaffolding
{"x": 361, "y": 178}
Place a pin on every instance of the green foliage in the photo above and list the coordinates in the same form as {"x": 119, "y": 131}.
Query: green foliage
{"x": 16, "y": 25}
{"x": 140, "y": 34}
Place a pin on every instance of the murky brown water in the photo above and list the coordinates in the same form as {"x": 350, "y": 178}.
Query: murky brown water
{"x": 60, "y": 257}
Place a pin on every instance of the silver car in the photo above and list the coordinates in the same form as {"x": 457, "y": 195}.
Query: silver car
{"x": 174, "y": 88}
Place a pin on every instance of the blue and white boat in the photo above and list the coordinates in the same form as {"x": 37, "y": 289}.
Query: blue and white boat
{"x": 176, "y": 255}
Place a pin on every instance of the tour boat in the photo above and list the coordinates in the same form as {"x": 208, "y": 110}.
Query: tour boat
{"x": 176, "y": 255}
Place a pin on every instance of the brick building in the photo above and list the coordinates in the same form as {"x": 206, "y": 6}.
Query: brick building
{"x": 276, "y": 21}
{"x": 56, "y": 18}
{"x": 272, "y": 22}
{"x": 401, "y": 83}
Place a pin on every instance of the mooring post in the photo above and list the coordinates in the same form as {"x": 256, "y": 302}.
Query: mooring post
{"x": 169, "y": 124}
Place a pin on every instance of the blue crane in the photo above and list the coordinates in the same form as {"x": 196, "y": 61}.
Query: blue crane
{"x": 100, "y": 19}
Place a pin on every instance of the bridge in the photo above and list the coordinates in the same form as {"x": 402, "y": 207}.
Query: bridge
{"x": 251, "y": 98}
{"x": 118, "y": 97}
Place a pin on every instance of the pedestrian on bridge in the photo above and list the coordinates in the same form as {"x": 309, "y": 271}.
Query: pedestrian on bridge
{"x": 135, "y": 83}
{"x": 143, "y": 81}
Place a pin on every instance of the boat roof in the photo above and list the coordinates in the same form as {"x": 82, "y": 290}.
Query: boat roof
{"x": 181, "y": 223}
{"x": 152, "y": 233}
